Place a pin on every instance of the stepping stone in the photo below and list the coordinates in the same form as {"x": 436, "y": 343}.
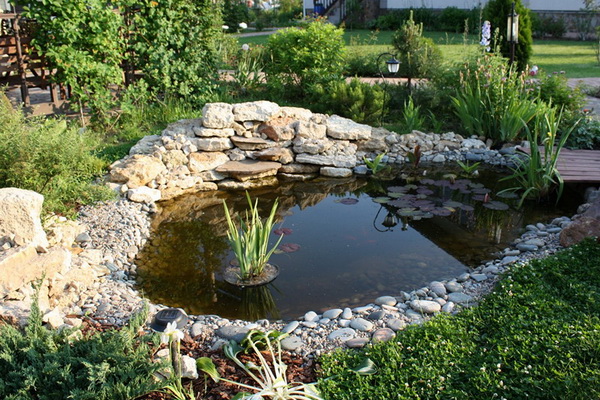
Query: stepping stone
{"x": 249, "y": 169}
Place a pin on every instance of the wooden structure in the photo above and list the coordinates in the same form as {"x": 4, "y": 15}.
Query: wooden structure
{"x": 20, "y": 65}
{"x": 577, "y": 166}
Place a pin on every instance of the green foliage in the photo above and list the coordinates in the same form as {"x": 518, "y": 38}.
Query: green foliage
{"x": 249, "y": 69}
{"x": 538, "y": 175}
{"x": 376, "y": 165}
{"x": 496, "y": 12}
{"x": 356, "y": 100}
{"x": 234, "y": 13}
{"x": 553, "y": 27}
{"x": 298, "y": 58}
{"x": 418, "y": 55}
{"x": 43, "y": 364}
{"x": 493, "y": 100}
{"x": 174, "y": 45}
{"x": 49, "y": 157}
{"x": 586, "y": 135}
{"x": 536, "y": 336}
{"x": 270, "y": 376}
{"x": 82, "y": 40}
{"x": 250, "y": 243}
{"x": 453, "y": 19}
{"x": 395, "y": 18}
{"x": 554, "y": 89}
{"x": 412, "y": 119}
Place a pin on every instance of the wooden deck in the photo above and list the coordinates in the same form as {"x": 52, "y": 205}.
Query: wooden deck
{"x": 578, "y": 166}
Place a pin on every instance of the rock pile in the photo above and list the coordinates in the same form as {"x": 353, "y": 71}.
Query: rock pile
{"x": 247, "y": 145}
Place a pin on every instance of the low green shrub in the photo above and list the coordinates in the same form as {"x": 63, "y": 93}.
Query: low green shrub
{"x": 49, "y": 157}
{"x": 41, "y": 364}
{"x": 392, "y": 20}
{"x": 356, "y": 100}
{"x": 536, "y": 336}
{"x": 298, "y": 58}
{"x": 586, "y": 135}
{"x": 554, "y": 89}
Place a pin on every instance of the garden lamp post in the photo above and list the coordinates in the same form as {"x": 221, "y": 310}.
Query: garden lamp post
{"x": 393, "y": 65}
{"x": 512, "y": 31}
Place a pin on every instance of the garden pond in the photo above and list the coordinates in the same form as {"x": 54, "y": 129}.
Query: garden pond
{"x": 346, "y": 241}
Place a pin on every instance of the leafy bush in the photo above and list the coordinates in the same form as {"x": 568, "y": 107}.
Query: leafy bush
{"x": 175, "y": 46}
{"x": 419, "y": 56}
{"x": 356, "y": 100}
{"x": 586, "y": 135}
{"x": 549, "y": 26}
{"x": 49, "y": 157}
{"x": 299, "y": 57}
{"x": 535, "y": 337}
{"x": 234, "y": 13}
{"x": 82, "y": 40}
{"x": 454, "y": 19}
{"x": 391, "y": 20}
{"x": 360, "y": 63}
{"x": 554, "y": 89}
{"x": 42, "y": 364}
{"x": 496, "y": 11}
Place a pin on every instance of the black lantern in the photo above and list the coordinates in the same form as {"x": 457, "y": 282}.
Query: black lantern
{"x": 393, "y": 65}
{"x": 389, "y": 222}
{"x": 512, "y": 31}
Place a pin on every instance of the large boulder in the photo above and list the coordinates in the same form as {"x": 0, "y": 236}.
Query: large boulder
{"x": 20, "y": 216}
{"x": 346, "y": 129}
{"x": 137, "y": 170}
{"x": 582, "y": 226}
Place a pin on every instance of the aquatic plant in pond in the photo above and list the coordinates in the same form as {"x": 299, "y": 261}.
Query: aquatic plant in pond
{"x": 251, "y": 242}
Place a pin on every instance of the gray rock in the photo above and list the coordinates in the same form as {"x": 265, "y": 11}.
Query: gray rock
{"x": 479, "y": 277}
{"x": 459, "y": 298}
{"x": 356, "y": 343}
{"x": 292, "y": 326}
{"x": 506, "y": 260}
{"x": 396, "y": 324}
{"x": 343, "y": 323}
{"x": 387, "y": 300}
{"x": 376, "y": 315}
{"x": 439, "y": 158}
{"x": 310, "y": 325}
{"x": 527, "y": 247}
{"x": 383, "y": 335}
{"x": 462, "y": 277}
{"x": 449, "y": 306}
{"x": 425, "y": 306}
{"x": 536, "y": 242}
{"x": 492, "y": 269}
{"x": 83, "y": 237}
{"x": 438, "y": 288}
{"x": 232, "y": 332}
{"x": 361, "y": 324}
{"x": 334, "y": 172}
{"x": 342, "y": 334}
{"x": 188, "y": 368}
{"x": 291, "y": 343}
{"x": 346, "y": 129}
{"x": 454, "y": 286}
{"x": 311, "y": 316}
{"x": 347, "y": 313}
{"x": 333, "y": 313}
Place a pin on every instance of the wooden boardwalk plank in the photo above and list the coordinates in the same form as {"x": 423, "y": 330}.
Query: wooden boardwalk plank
{"x": 577, "y": 165}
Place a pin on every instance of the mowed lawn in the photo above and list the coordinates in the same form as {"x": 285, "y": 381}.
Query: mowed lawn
{"x": 578, "y": 59}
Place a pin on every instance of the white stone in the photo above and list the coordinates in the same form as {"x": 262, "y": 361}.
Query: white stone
{"x": 217, "y": 115}
{"x": 188, "y": 368}
{"x": 311, "y": 316}
{"x": 386, "y": 300}
{"x": 333, "y": 172}
{"x": 210, "y": 132}
{"x": 361, "y": 324}
{"x": 342, "y": 334}
{"x": 255, "y": 111}
{"x": 144, "y": 194}
{"x": 333, "y": 313}
{"x": 20, "y": 212}
{"x": 347, "y": 313}
{"x": 438, "y": 288}
{"x": 425, "y": 306}
{"x": 346, "y": 129}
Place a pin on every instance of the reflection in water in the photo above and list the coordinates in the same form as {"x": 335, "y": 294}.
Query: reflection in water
{"x": 347, "y": 248}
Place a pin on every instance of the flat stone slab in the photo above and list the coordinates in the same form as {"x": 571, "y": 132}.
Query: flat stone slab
{"x": 252, "y": 143}
{"x": 249, "y": 169}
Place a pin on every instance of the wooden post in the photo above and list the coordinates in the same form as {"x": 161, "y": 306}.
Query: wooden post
{"x": 21, "y": 62}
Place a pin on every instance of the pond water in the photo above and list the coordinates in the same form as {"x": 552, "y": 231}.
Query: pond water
{"x": 346, "y": 242}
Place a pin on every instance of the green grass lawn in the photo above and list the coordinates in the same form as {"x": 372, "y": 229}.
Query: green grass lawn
{"x": 576, "y": 58}
{"x": 536, "y": 337}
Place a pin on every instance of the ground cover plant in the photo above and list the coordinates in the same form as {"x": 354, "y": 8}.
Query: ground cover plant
{"x": 536, "y": 336}
{"x": 37, "y": 363}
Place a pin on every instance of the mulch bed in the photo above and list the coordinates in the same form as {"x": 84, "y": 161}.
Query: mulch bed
{"x": 298, "y": 368}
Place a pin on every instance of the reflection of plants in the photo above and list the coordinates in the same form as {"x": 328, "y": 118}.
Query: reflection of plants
{"x": 537, "y": 175}
{"x": 250, "y": 243}
{"x": 375, "y": 165}
{"x": 270, "y": 375}
{"x": 257, "y": 303}
{"x": 468, "y": 169}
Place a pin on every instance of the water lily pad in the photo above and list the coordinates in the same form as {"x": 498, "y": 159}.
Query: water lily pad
{"x": 452, "y": 203}
{"x": 481, "y": 197}
{"x": 400, "y": 203}
{"x": 496, "y": 205}
{"x": 466, "y": 207}
{"x": 396, "y": 194}
{"x": 421, "y": 196}
{"x": 427, "y": 181}
{"x": 283, "y": 231}
{"x": 398, "y": 189}
{"x": 481, "y": 190}
{"x": 347, "y": 201}
{"x": 408, "y": 212}
{"x": 411, "y": 187}
{"x": 381, "y": 200}
{"x": 425, "y": 191}
{"x": 508, "y": 195}
{"x": 423, "y": 203}
{"x": 441, "y": 212}
{"x": 476, "y": 185}
{"x": 289, "y": 247}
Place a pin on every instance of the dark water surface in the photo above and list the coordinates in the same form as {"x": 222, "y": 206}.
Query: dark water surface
{"x": 340, "y": 249}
